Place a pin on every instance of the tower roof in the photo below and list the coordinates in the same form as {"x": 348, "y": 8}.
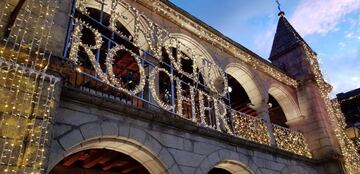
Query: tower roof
{"x": 286, "y": 37}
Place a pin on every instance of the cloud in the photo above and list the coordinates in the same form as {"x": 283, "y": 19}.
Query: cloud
{"x": 321, "y": 16}
{"x": 341, "y": 44}
{"x": 263, "y": 41}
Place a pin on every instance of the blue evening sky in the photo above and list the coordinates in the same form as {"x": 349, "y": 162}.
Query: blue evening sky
{"x": 330, "y": 27}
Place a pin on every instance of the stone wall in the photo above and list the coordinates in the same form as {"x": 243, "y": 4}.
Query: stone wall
{"x": 180, "y": 145}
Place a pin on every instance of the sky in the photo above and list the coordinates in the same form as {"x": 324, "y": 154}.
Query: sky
{"x": 330, "y": 27}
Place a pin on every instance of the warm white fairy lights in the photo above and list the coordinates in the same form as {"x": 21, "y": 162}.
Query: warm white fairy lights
{"x": 109, "y": 77}
{"x": 114, "y": 80}
{"x": 224, "y": 45}
{"x": 203, "y": 103}
{"x": 291, "y": 141}
{"x": 26, "y": 91}
{"x": 251, "y": 128}
{"x": 350, "y": 155}
{"x": 153, "y": 86}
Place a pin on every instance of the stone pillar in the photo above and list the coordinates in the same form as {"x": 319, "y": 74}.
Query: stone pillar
{"x": 263, "y": 112}
{"x": 316, "y": 125}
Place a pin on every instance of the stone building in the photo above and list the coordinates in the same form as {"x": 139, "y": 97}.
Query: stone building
{"x": 141, "y": 86}
{"x": 350, "y": 106}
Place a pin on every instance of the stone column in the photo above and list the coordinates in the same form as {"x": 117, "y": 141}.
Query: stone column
{"x": 263, "y": 112}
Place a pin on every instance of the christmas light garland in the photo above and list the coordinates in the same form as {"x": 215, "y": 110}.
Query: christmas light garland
{"x": 291, "y": 141}
{"x": 157, "y": 38}
{"x": 251, "y": 128}
{"x": 350, "y": 155}
{"x": 26, "y": 90}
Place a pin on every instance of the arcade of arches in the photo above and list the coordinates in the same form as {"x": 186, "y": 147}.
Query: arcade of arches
{"x": 143, "y": 87}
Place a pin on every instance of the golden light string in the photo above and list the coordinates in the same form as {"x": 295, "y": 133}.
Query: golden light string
{"x": 33, "y": 118}
{"x": 15, "y": 31}
{"x": 223, "y": 44}
{"x": 42, "y": 35}
{"x": 348, "y": 150}
{"x": 50, "y": 90}
{"x": 47, "y": 123}
{"x": 17, "y": 27}
{"x": 39, "y": 147}
{"x": 9, "y": 104}
{"x": 33, "y": 36}
{"x": 3, "y": 13}
{"x": 285, "y": 137}
{"x": 34, "y": 132}
{"x": 15, "y": 106}
{"x": 38, "y": 37}
{"x": 240, "y": 121}
{"x": 27, "y": 100}
{"x": 7, "y": 142}
{"x": 24, "y": 28}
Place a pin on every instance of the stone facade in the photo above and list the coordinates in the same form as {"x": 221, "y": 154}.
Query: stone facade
{"x": 182, "y": 147}
{"x": 166, "y": 143}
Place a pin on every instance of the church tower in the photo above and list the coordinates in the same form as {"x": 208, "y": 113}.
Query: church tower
{"x": 294, "y": 56}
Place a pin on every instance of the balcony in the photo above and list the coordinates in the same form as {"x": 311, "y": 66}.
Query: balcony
{"x": 241, "y": 125}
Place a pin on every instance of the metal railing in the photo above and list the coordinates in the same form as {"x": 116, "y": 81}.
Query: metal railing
{"x": 236, "y": 123}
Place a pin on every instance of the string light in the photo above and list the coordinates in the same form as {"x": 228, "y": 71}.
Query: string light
{"x": 348, "y": 149}
{"x": 220, "y": 42}
{"x": 26, "y": 89}
{"x": 251, "y": 128}
{"x": 292, "y": 141}
{"x": 157, "y": 40}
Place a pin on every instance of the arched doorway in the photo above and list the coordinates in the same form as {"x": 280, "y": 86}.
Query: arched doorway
{"x": 99, "y": 161}
{"x": 218, "y": 171}
{"x": 230, "y": 167}
{"x": 106, "y": 151}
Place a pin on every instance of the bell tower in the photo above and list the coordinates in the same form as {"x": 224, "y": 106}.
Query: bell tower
{"x": 295, "y": 57}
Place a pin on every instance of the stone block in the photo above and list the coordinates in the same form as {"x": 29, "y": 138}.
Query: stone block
{"x": 72, "y": 117}
{"x": 186, "y": 158}
{"x": 91, "y": 130}
{"x": 171, "y": 141}
{"x": 137, "y": 134}
{"x": 153, "y": 144}
{"x": 175, "y": 169}
{"x": 187, "y": 170}
{"x": 166, "y": 157}
{"x": 204, "y": 148}
{"x": 214, "y": 158}
{"x": 269, "y": 171}
{"x": 124, "y": 130}
{"x": 71, "y": 139}
{"x": 109, "y": 128}
{"x": 61, "y": 129}
{"x": 188, "y": 145}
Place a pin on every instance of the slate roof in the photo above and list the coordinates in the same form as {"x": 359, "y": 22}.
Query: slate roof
{"x": 286, "y": 37}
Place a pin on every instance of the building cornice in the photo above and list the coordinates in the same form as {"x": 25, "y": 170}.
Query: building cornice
{"x": 214, "y": 37}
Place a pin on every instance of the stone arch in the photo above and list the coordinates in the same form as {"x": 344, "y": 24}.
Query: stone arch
{"x": 234, "y": 167}
{"x": 286, "y": 101}
{"x": 228, "y": 160}
{"x": 297, "y": 169}
{"x": 193, "y": 48}
{"x": 126, "y": 146}
{"x": 249, "y": 81}
{"x": 129, "y": 14}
